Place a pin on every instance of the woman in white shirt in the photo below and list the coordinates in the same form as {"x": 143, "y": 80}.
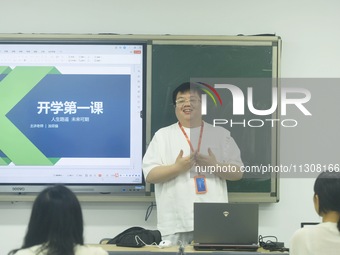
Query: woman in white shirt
{"x": 323, "y": 238}
{"x": 56, "y": 226}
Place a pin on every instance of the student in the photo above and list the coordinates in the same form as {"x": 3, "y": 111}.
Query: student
{"x": 324, "y": 238}
{"x": 56, "y": 226}
{"x": 180, "y": 153}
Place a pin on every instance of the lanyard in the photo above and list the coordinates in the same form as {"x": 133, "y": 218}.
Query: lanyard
{"x": 188, "y": 140}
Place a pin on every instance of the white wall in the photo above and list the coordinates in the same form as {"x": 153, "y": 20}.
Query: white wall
{"x": 310, "y": 34}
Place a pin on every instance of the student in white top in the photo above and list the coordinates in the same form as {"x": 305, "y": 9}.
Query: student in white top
{"x": 323, "y": 238}
{"x": 176, "y": 162}
{"x": 56, "y": 226}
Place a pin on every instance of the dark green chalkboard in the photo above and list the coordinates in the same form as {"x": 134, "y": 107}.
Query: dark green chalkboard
{"x": 239, "y": 64}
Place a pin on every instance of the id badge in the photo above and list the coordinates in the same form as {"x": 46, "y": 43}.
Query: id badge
{"x": 200, "y": 184}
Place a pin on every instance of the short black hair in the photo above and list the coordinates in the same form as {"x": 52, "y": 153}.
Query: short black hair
{"x": 327, "y": 187}
{"x": 184, "y": 87}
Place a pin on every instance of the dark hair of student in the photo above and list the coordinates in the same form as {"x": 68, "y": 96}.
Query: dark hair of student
{"x": 56, "y": 222}
{"x": 327, "y": 187}
{"x": 184, "y": 87}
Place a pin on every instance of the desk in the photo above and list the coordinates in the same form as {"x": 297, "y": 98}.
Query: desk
{"x": 154, "y": 250}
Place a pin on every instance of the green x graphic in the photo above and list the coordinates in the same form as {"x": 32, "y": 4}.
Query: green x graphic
{"x": 13, "y": 88}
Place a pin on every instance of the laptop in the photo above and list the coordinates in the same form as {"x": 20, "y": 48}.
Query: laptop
{"x": 225, "y": 226}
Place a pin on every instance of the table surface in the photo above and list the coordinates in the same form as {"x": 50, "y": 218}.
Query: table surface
{"x": 153, "y": 250}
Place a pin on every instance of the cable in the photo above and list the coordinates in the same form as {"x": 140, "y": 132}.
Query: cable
{"x": 149, "y": 211}
{"x": 268, "y": 241}
{"x": 180, "y": 248}
{"x": 271, "y": 245}
{"x": 137, "y": 238}
{"x": 180, "y": 243}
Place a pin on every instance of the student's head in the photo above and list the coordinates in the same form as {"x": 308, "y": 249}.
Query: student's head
{"x": 56, "y": 221}
{"x": 327, "y": 193}
{"x": 187, "y": 101}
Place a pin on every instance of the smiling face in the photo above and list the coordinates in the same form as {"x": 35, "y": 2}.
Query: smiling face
{"x": 188, "y": 108}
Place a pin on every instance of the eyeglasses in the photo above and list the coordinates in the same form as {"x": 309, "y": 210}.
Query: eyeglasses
{"x": 192, "y": 101}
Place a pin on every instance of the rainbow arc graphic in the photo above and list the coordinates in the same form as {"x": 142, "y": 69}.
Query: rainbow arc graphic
{"x": 211, "y": 91}
{"x": 208, "y": 90}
